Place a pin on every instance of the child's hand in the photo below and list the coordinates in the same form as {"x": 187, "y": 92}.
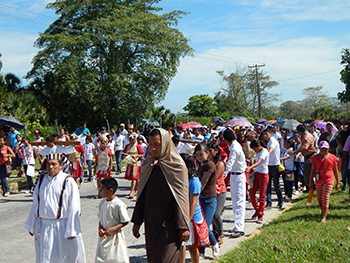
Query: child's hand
{"x": 337, "y": 186}
{"x": 109, "y": 231}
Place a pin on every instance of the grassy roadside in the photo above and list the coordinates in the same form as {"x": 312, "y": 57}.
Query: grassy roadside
{"x": 298, "y": 236}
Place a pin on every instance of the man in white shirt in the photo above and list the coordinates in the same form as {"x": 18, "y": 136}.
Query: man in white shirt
{"x": 123, "y": 131}
{"x": 182, "y": 147}
{"x": 276, "y": 134}
{"x": 54, "y": 216}
{"x": 118, "y": 139}
{"x": 236, "y": 164}
{"x": 274, "y": 160}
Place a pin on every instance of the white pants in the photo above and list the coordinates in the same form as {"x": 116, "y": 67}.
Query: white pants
{"x": 238, "y": 197}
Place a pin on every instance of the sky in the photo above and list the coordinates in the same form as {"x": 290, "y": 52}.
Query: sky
{"x": 299, "y": 42}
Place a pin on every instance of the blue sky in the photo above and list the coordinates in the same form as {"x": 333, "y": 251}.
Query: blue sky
{"x": 300, "y": 42}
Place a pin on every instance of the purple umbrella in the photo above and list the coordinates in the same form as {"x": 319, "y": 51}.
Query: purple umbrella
{"x": 323, "y": 125}
{"x": 239, "y": 122}
{"x": 261, "y": 121}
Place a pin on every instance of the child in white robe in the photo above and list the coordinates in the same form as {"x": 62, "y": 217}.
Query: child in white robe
{"x": 113, "y": 216}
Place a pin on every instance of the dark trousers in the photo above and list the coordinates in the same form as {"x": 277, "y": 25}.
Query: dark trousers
{"x": 275, "y": 177}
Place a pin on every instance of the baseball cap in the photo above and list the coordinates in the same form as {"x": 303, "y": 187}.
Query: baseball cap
{"x": 323, "y": 145}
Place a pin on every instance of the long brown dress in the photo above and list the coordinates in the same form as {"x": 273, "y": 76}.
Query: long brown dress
{"x": 157, "y": 207}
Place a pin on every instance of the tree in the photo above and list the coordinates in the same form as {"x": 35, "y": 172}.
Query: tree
{"x": 315, "y": 98}
{"x": 106, "y": 59}
{"x": 200, "y": 106}
{"x": 344, "y": 96}
{"x": 238, "y": 93}
{"x": 163, "y": 116}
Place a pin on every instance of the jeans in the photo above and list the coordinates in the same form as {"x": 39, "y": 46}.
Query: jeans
{"x": 89, "y": 165}
{"x": 345, "y": 173}
{"x": 4, "y": 184}
{"x": 209, "y": 206}
{"x": 217, "y": 220}
{"x": 273, "y": 176}
{"x": 118, "y": 159}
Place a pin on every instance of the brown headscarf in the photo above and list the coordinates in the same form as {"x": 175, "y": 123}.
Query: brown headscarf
{"x": 174, "y": 170}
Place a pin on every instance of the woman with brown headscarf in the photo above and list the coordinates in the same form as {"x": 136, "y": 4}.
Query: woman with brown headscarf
{"x": 162, "y": 200}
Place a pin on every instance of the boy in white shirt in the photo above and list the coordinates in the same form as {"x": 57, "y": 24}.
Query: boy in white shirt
{"x": 274, "y": 160}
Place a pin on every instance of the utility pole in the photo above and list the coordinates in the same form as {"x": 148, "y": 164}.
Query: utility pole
{"x": 256, "y": 66}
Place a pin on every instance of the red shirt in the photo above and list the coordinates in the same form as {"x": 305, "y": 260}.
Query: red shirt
{"x": 4, "y": 159}
{"x": 326, "y": 173}
{"x": 220, "y": 183}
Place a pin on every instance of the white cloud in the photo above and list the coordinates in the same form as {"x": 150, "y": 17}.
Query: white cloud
{"x": 288, "y": 59}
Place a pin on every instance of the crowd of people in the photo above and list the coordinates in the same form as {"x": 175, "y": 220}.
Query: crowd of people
{"x": 192, "y": 170}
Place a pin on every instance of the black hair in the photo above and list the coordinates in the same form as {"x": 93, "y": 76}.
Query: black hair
{"x": 175, "y": 139}
{"x": 290, "y": 141}
{"x": 88, "y": 138}
{"x": 254, "y": 143}
{"x": 50, "y": 139}
{"x": 26, "y": 138}
{"x": 110, "y": 183}
{"x": 117, "y": 131}
{"x": 154, "y": 132}
{"x": 83, "y": 123}
{"x": 180, "y": 128}
{"x": 201, "y": 146}
{"x": 55, "y": 135}
{"x": 301, "y": 128}
{"x": 268, "y": 129}
{"x": 229, "y": 135}
{"x": 140, "y": 138}
{"x": 215, "y": 147}
{"x": 190, "y": 164}
{"x": 108, "y": 136}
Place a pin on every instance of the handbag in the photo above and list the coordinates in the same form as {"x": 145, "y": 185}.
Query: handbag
{"x": 8, "y": 168}
{"x": 251, "y": 179}
{"x": 289, "y": 176}
{"x": 281, "y": 168}
{"x": 201, "y": 232}
{"x": 7, "y": 165}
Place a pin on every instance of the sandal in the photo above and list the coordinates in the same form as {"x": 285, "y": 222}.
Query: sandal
{"x": 221, "y": 240}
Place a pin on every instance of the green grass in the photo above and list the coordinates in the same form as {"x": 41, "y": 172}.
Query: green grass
{"x": 298, "y": 236}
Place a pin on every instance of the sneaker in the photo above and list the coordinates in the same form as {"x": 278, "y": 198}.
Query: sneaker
{"x": 343, "y": 188}
{"x": 254, "y": 216}
{"x": 201, "y": 256}
{"x": 237, "y": 234}
{"x": 280, "y": 204}
{"x": 268, "y": 207}
{"x": 216, "y": 250}
{"x": 260, "y": 220}
{"x": 6, "y": 194}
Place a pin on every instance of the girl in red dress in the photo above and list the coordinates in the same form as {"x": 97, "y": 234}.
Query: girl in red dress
{"x": 134, "y": 154}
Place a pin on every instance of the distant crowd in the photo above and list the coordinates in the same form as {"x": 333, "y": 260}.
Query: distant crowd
{"x": 180, "y": 177}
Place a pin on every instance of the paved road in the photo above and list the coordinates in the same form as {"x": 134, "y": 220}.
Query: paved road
{"x": 18, "y": 246}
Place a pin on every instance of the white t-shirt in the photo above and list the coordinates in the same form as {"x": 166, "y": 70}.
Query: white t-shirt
{"x": 111, "y": 146}
{"x": 274, "y": 158}
{"x": 185, "y": 148}
{"x": 263, "y": 166}
{"x": 88, "y": 151}
{"x": 118, "y": 142}
{"x": 289, "y": 163}
{"x": 276, "y": 135}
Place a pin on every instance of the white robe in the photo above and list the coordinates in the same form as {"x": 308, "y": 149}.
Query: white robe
{"x": 51, "y": 234}
{"x": 112, "y": 249}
